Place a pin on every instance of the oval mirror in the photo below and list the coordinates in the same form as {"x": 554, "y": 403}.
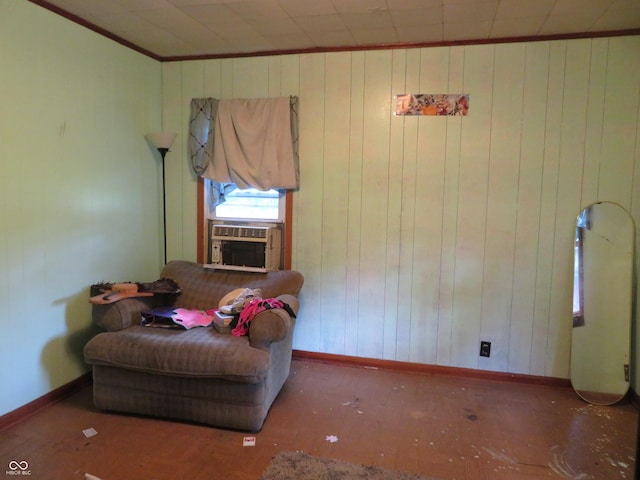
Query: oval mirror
{"x": 602, "y": 303}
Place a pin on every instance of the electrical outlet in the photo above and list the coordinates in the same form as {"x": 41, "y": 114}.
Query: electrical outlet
{"x": 485, "y": 349}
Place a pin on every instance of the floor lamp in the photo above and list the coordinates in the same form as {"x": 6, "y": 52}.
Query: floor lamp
{"x": 162, "y": 141}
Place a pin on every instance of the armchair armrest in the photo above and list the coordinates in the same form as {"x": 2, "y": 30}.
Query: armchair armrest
{"x": 273, "y": 325}
{"x": 122, "y": 314}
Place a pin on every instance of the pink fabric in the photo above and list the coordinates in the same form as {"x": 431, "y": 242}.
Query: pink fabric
{"x": 250, "y": 311}
{"x": 191, "y": 318}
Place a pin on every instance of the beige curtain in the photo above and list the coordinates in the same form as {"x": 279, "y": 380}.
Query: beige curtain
{"x": 248, "y": 143}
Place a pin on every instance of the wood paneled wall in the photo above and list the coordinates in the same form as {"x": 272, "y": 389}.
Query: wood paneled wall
{"x": 421, "y": 236}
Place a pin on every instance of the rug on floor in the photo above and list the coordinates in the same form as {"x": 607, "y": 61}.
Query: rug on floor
{"x": 300, "y": 466}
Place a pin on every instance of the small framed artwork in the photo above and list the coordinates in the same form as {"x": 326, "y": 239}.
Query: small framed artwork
{"x": 432, "y": 104}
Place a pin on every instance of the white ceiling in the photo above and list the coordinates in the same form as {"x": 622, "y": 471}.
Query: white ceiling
{"x": 188, "y": 28}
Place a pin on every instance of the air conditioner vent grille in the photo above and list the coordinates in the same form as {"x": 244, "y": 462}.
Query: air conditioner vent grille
{"x": 232, "y": 231}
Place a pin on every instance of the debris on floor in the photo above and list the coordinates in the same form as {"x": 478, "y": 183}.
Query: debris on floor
{"x": 355, "y": 403}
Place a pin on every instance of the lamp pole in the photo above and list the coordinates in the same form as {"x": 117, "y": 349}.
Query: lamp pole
{"x": 163, "y": 153}
{"x": 162, "y": 141}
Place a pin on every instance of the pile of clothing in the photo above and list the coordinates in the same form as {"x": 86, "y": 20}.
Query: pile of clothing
{"x": 235, "y": 311}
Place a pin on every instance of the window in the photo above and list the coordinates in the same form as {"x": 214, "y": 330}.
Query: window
{"x": 263, "y": 211}
{"x": 252, "y": 204}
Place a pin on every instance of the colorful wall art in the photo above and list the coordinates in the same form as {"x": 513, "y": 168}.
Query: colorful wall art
{"x": 432, "y": 104}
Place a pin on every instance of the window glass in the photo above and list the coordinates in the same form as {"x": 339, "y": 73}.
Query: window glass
{"x": 251, "y": 204}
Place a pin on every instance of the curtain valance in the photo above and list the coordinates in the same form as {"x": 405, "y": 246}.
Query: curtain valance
{"x": 248, "y": 143}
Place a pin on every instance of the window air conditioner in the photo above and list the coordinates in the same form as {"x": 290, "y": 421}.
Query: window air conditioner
{"x": 245, "y": 247}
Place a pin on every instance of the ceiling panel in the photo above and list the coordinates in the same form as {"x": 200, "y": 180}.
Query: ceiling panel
{"x": 182, "y": 28}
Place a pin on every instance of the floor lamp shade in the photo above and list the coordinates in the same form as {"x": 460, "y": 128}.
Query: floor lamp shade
{"x": 161, "y": 140}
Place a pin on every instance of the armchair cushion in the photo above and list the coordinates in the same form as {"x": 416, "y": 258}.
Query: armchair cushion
{"x": 199, "y": 352}
{"x": 203, "y": 288}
